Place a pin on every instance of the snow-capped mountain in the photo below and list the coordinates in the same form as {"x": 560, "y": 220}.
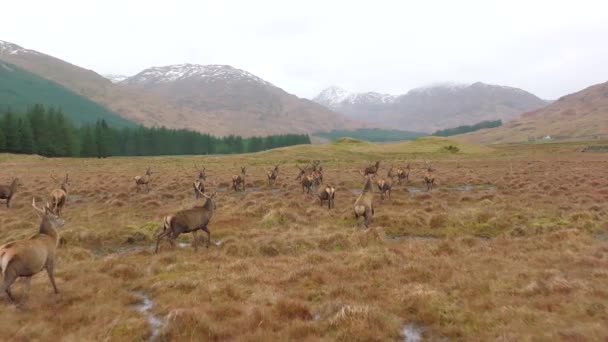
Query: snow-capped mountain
{"x": 236, "y": 100}
{"x": 116, "y": 78}
{"x": 334, "y": 97}
{"x": 428, "y": 108}
{"x": 14, "y": 49}
{"x": 208, "y": 73}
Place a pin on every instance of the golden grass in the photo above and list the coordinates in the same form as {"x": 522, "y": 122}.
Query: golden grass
{"x": 511, "y": 246}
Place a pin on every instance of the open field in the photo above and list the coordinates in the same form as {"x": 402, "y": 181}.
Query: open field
{"x": 512, "y": 245}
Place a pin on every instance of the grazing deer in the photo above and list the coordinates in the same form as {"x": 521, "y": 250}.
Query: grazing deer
{"x": 59, "y": 197}
{"x": 429, "y": 177}
{"x": 327, "y": 194}
{"x": 239, "y": 180}
{"x": 403, "y": 173}
{"x": 143, "y": 180}
{"x": 272, "y": 175}
{"x": 8, "y": 191}
{"x": 188, "y": 221}
{"x": 364, "y": 205}
{"x": 372, "y": 169}
{"x": 25, "y": 258}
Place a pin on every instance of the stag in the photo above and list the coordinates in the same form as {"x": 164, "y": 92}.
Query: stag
{"x": 143, "y": 180}
{"x": 429, "y": 177}
{"x": 327, "y": 194}
{"x": 372, "y": 169}
{"x": 198, "y": 185}
{"x": 364, "y": 205}
{"x": 385, "y": 186}
{"x": 239, "y": 180}
{"x": 8, "y": 191}
{"x": 272, "y": 175}
{"x": 188, "y": 221}
{"x": 25, "y": 258}
{"x": 59, "y": 197}
{"x": 403, "y": 173}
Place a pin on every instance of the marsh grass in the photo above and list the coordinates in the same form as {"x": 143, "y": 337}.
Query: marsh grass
{"x": 522, "y": 259}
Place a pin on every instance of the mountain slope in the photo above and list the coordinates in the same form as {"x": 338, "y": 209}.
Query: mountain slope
{"x": 236, "y": 98}
{"x": 432, "y": 108}
{"x": 580, "y": 115}
{"x": 217, "y": 107}
{"x": 20, "y": 89}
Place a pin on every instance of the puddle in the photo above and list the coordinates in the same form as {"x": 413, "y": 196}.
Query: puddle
{"x": 217, "y": 243}
{"x": 471, "y": 187}
{"x": 356, "y": 191}
{"x": 411, "y": 333}
{"x": 145, "y": 308}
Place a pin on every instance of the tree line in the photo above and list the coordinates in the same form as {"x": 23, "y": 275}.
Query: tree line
{"x": 47, "y": 132}
{"x": 468, "y": 128}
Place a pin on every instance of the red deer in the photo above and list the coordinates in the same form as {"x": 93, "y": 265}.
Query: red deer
{"x": 364, "y": 205}
{"x": 239, "y": 180}
{"x": 59, "y": 197}
{"x": 272, "y": 175}
{"x": 385, "y": 186}
{"x": 372, "y": 169}
{"x": 429, "y": 177}
{"x": 143, "y": 180}
{"x": 25, "y": 258}
{"x": 188, "y": 221}
{"x": 8, "y": 191}
{"x": 403, "y": 173}
{"x": 198, "y": 185}
{"x": 327, "y": 194}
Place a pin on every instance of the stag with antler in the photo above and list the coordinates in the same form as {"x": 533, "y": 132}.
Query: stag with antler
{"x": 59, "y": 197}
{"x": 198, "y": 185}
{"x": 8, "y": 191}
{"x": 143, "y": 180}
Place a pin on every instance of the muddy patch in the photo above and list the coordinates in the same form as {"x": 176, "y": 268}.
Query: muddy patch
{"x": 145, "y": 309}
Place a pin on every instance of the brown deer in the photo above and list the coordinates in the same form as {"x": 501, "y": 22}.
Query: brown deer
{"x": 198, "y": 185}
{"x": 188, "y": 221}
{"x": 143, "y": 180}
{"x": 372, "y": 169}
{"x": 385, "y": 186}
{"x": 364, "y": 205}
{"x": 272, "y": 175}
{"x": 327, "y": 194}
{"x": 25, "y": 258}
{"x": 8, "y": 191}
{"x": 239, "y": 180}
{"x": 429, "y": 177}
{"x": 301, "y": 172}
{"x": 59, "y": 197}
{"x": 308, "y": 182}
{"x": 403, "y": 173}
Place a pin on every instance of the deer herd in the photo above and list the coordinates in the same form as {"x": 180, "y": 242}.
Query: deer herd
{"x": 27, "y": 257}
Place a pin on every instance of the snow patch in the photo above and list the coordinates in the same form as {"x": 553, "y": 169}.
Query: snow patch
{"x": 209, "y": 73}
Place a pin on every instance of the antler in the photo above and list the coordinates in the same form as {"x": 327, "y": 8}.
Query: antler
{"x": 42, "y": 211}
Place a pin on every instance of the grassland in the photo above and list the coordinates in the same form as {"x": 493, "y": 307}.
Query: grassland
{"x": 511, "y": 246}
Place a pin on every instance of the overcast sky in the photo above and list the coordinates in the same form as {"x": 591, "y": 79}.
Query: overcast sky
{"x": 550, "y": 48}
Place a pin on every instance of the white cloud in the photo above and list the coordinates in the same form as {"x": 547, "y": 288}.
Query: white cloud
{"x": 548, "y": 47}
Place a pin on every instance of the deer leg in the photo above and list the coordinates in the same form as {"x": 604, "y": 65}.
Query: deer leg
{"x": 49, "y": 270}
{"x": 208, "y": 235}
{"x": 195, "y": 240}
{"x": 8, "y": 202}
{"x": 28, "y": 286}
{"x": 9, "y": 278}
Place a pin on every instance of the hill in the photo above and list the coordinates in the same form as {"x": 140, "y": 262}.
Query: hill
{"x": 200, "y": 99}
{"x": 580, "y": 115}
{"x": 248, "y": 103}
{"x": 432, "y": 108}
{"x": 20, "y": 89}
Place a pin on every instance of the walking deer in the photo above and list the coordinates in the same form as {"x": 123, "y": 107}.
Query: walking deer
{"x": 59, "y": 197}
{"x": 143, "y": 180}
{"x": 8, "y": 191}
{"x": 239, "y": 180}
{"x": 364, "y": 205}
{"x": 25, "y": 258}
